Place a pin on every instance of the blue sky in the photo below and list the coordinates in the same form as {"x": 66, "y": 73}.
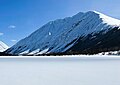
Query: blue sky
{"x": 19, "y": 18}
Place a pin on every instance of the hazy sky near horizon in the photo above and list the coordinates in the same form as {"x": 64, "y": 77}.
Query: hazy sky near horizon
{"x": 19, "y": 18}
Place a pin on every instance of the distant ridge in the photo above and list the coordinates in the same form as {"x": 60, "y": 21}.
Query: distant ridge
{"x": 3, "y": 46}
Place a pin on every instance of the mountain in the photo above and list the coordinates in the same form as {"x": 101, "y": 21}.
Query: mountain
{"x": 84, "y": 33}
{"x": 3, "y": 46}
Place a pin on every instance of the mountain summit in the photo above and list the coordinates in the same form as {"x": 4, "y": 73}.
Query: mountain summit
{"x": 84, "y": 33}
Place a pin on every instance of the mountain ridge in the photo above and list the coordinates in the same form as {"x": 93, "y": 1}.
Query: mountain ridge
{"x": 62, "y": 34}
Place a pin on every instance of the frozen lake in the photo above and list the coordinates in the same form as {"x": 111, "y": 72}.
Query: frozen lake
{"x": 59, "y": 71}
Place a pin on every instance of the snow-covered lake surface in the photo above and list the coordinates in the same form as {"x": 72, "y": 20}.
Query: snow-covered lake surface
{"x": 60, "y": 71}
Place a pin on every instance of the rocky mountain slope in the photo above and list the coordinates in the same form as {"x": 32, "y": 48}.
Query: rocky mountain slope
{"x": 84, "y": 33}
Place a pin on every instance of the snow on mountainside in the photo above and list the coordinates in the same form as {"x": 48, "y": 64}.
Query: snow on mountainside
{"x": 109, "y": 20}
{"x": 60, "y": 35}
{"x": 3, "y": 46}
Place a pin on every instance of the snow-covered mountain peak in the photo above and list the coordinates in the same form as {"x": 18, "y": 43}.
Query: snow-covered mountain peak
{"x": 106, "y": 19}
{"x": 3, "y": 46}
{"x": 62, "y": 34}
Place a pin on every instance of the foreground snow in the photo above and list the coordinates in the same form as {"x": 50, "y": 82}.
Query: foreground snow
{"x": 68, "y": 57}
{"x": 59, "y": 70}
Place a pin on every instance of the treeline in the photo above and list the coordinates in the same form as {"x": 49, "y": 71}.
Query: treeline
{"x": 4, "y": 54}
